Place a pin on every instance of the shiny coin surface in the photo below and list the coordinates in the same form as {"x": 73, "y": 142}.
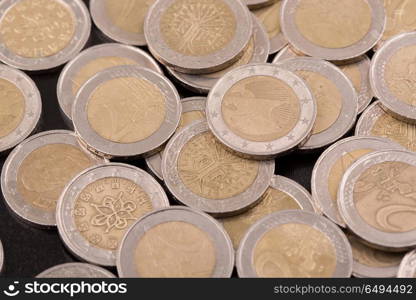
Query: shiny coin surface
{"x": 331, "y": 166}
{"x": 20, "y": 107}
{"x": 121, "y": 20}
{"x": 42, "y": 34}
{"x": 392, "y": 78}
{"x": 335, "y": 97}
{"x": 198, "y": 36}
{"x": 373, "y": 263}
{"x": 143, "y": 106}
{"x": 76, "y": 270}
{"x": 375, "y": 199}
{"x": 283, "y": 243}
{"x": 36, "y": 172}
{"x": 333, "y": 29}
{"x": 193, "y": 109}
{"x": 261, "y": 110}
{"x": 256, "y": 52}
{"x": 407, "y": 267}
{"x": 176, "y": 242}
{"x": 92, "y": 61}
{"x": 282, "y": 194}
{"x": 99, "y": 205}
{"x": 376, "y": 122}
{"x": 201, "y": 173}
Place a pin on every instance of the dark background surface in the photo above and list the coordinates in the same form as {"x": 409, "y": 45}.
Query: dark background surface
{"x": 30, "y": 250}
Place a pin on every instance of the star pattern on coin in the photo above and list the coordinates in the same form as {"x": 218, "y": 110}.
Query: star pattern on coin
{"x": 244, "y": 145}
{"x": 225, "y": 132}
{"x": 30, "y": 114}
{"x": 214, "y": 114}
{"x": 269, "y": 146}
{"x": 305, "y": 101}
{"x": 304, "y": 121}
{"x": 291, "y": 137}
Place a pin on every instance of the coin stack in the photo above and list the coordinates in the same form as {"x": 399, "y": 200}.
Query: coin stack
{"x": 202, "y": 108}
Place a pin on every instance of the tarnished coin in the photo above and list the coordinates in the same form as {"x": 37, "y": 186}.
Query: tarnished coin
{"x": 176, "y": 242}
{"x": 283, "y": 243}
{"x": 198, "y": 36}
{"x": 193, "y": 109}
{"x": 126, "y": 111}
{"x": 407, "y": 267}
{"x": 376, "y": 122}
{"x": 376, "y": 199}
{"x": 282, "y": 194}
{"x": 76, "y": 270}
{"x": 261, "y": 110}
{"x": 256, "y": 52}
{"x": 392, "y": 77}
{"x": 269, "y": 16}
{"x": 333, "y": 29}
{"x": 90, "y": 62}
{"x": 331, "y": 166}
{"x": 201, "y": 173}
{"x": 373, "y": 263}
{"x": 36, "y": 172}
{"x": 20, "y": 107}
{"x": 121, "y": 20}
{"x": 335, "y": 97}
{"x": 42, "y": 34}
{"x": 100, "y": 204}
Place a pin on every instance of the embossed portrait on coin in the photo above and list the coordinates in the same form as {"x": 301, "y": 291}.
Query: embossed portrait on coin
{"x": 260, "y": 108}
{"x": 400, "y": 17}
{"x": 198, "y": 27}
{"x": 385, "y": 196}
{"x": 37, "y": 28}
{"x": 175, "y": 249}
{"x": 106, "y": 208}
{"x": 210, "y": 171}
{"x": 12, "y": 107}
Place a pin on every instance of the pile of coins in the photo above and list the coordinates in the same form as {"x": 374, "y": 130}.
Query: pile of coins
{"x": 215, "y": 153}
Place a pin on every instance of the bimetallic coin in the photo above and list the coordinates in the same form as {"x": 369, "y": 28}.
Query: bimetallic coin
{"x": 176, "y": 242}
{"x": 261, "y": 110}
{"x": 202, "y": 174}
{"x": 20, "y": 107}
{"x": 407, "y": 267}
{"x": 282, "y": 194}
{"x": 331, "y": 166}
{"x": 283, "y": 243}
{"x": 392, "y": 77}
{"x": 36, "y": 172}
{"x": 100, "y": 204}
{"x": 121, "y": 20}
{"x": 335, "y": 97}
{"x": 126, "y": 111}
{"x": 76, "y": 270}
{"x": 333, "y": 29}
{"x": 376, "y": 199}
{"x": 90, "y": 62}
{"x": 193, "y": 109}
{"x": 198, "y": 36}
{"x": 42, "y": 34}
{"x": 256, "y": 52}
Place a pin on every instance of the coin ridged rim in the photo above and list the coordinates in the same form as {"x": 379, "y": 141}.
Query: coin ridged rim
{"x": 244, "y": 256}
{"x": 351, "y": 216}
{"x": 222, "y": 242}
{"x": 407, "y": 267}
{"x": 381, "y": 59}
{"x": 33, "y": 107}
{"x": 203, "y": 84}
{"x": 374, "y": 34}
{"x": 14, "y": 200}
{"x": 154, "y": 162}
{"x": 81, "y": 35}
{"x": 88, "y": 267}
{"x": 217, "y": 207}
{"x": 198, "y": 64}
{"x": 268, "y": 149}
{"x": 106, "y": 147}
{"x": 324, "y": 164}
{"x": 64, "y": 88}
{"x": 67, "y": 228}
{"x": 349, "y": 110}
